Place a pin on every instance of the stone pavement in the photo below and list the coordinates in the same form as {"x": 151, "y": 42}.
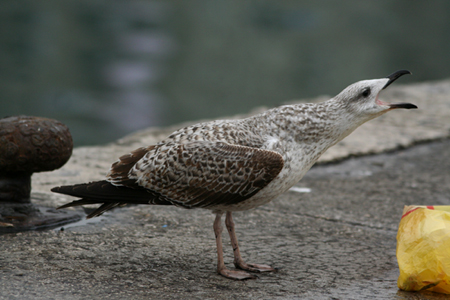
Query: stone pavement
{"x": 335, "y": 242}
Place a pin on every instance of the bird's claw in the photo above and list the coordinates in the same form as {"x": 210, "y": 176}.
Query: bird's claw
{"x": 236, "y": 275}
{"x": 254, "y": 267}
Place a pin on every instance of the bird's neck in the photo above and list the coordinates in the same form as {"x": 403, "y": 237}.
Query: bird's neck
{"x": 323, "y": 124}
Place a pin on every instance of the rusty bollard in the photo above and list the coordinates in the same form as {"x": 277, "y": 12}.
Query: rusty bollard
{"x": 29, "y": 145}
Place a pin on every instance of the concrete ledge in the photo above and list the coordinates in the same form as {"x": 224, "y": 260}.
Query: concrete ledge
{"x": 336, "y": 242}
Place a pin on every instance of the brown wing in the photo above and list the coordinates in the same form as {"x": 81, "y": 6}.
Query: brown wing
{"x": 121, "y": 168}
{"x": 205, "y": 174}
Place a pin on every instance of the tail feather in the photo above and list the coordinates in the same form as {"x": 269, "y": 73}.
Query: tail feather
{"x": 109, "y": 195}
{"x": 80, "y": 202}
{"x": 103, "y": 191}
{"x": 104, "y": 207}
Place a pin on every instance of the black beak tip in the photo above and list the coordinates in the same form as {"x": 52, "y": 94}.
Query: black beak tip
{"x": 394, "y": 76}
{"x": 397, "y": 74}
{"x": 403, "y": 105}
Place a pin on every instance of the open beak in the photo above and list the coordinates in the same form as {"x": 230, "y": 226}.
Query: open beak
{"x": 393, "y": 77}
{"x": 402, "y": 105}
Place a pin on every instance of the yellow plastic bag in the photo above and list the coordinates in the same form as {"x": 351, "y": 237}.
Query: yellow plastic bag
{"x": 423, "y": 249}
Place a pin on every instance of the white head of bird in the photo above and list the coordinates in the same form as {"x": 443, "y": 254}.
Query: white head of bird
{"x": 359, "y": 102}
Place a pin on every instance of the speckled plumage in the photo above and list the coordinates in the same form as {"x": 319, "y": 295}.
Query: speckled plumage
{"x": 233, "y": 165}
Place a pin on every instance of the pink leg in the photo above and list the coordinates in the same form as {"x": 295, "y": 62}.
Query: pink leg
{"x": 221, "y": 269}
{"x": 238, "y": 261}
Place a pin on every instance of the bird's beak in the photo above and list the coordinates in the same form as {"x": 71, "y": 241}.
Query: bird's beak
{"x": 402, "y": 105}
{"x": 393, "y": 77}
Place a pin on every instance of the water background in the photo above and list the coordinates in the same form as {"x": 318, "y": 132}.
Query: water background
{"x": 107, "y": 68}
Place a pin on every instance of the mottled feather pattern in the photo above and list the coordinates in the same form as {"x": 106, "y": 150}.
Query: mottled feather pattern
{"x": 229, "y": 165}
{"x": 204, "y": 174}
{"x": 222, "y": 164}
{"x": 118, "y": 174}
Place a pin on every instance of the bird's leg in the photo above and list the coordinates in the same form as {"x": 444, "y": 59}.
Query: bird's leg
{"x": 238, "y": 261}
{"x": 221, "y": 269}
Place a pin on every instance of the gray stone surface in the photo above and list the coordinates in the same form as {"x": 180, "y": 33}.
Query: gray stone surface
{"x": 336, "y": 242}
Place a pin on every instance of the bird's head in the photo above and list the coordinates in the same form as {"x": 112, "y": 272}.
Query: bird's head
{"x": 361, "y": 100}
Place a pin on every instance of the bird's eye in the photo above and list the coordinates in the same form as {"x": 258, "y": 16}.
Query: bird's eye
{"x": 366, "y": 92}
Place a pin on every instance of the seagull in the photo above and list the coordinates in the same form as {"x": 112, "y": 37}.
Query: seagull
{"x": 235, "y": 165}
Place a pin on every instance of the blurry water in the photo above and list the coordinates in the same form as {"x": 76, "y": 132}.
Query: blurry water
{"x": 107, "y": 68}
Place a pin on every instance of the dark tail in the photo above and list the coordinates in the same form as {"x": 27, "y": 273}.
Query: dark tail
{"x": 110, "y": 196}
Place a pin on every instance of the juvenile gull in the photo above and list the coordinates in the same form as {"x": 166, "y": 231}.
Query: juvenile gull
{"x": 235, "y": 165}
